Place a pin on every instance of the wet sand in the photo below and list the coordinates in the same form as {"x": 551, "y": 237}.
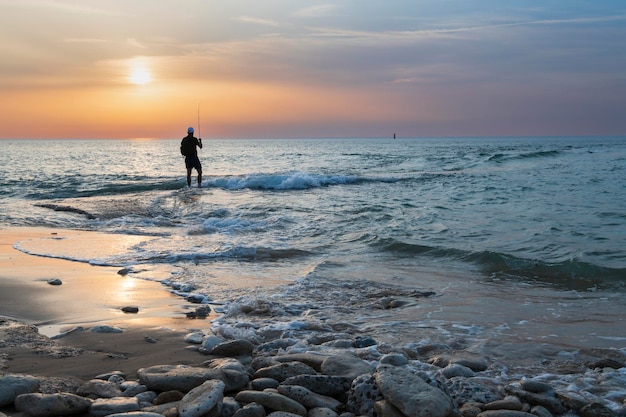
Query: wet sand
{"x": 89, "y": 296}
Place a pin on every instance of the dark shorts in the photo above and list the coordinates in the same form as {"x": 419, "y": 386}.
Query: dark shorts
{"x": 193, "y": 162}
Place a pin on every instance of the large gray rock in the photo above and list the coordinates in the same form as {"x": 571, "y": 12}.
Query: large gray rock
{"x": 237, "y": 347}
{"x": 308, "y": 398}
{"x": 105, "y": 406}
{"x": 543, "y": 399}
{"x": 136, "y": 414}
{"x": 321, "y": 384}
{"x": 363, "y": 394}
{"x": 201, "y": 399}
{"x": 347, "y": 365}
{"x": 12, "y": 385}
{"x": 282, "y": 371}
{"x": 185, "y": 378}
{"x": 411, "y": 394}
{"x": 271, "y": 400}
{"x": 44, "y": 405}
{"x": 97, "y": 388}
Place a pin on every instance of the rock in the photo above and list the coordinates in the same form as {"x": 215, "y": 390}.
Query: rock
{"x": 339, "y": 344}
{"x": 12, "y": 385}
{"x": 202, "y": 399}
{"x": 540, "y": 411}
{"x": 321, "y": 384}
{"x": 308, "y": 398}
{"x": 347, "y": 364}
{"x": 572, "y": 400}
{"x": 194, "y": 338}
{"x": 363, "y": 395}
{"x": 321, "y": 412}
{"x": 228, "y": 407}
{"x": 237, "y": 347}
{"x": 394, "y": 359}
{"x": 199, "y": 313}
{"x": 196, "y": 298}
{"x": 475, "y": 363}
{"x": 455, "y": 369}
{"x": 467, "y": 390}
{"x": 55, "y": 281}
{"x": 135, "y": 390}
{"x": 411, "y": 394}
{"x": 384, "y": 408}
{"x": 313, "y": 359}
{"x": 607, "y": 363}
{"x": 209, "y": 342}
{"x": 250, "y": 410}
{"x": 505, "y": 413}
{"x": 283, "y": 371}
{"x": 145, "y": 397}
{"x": 44, "y": 405}
{"x": 361, "y": 342}
{"x": 260, "y": 384}
{"x": 108, "y": 375}
{"x": 102, "y": 328}
{"x": 551, "y": 403}
{"x": 509, "y": 402}
{"x": 97, "y": 388}
{"x": 130, "y": 309}
{"x": 470, "y": 409}
{"x": 281, "y": 414}
{"x": 168, "y": 397}
{"x": 272, "y": 400}
{"x": 184, "y": 378}
{"x": 163, "y": 409}
{"x": 105, "y": 406}
{"x": 596, "y": 410}
{"x": 533, "y": 385}
{"x": 124, "y": 271}
{"x": 136, "y": 414}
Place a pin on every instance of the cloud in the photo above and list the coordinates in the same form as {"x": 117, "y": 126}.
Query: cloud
{"x": 316, "y": 11}
{"x": 256, "y": 21}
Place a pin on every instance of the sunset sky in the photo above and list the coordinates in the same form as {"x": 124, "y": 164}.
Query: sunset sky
{"x": 304, "y": 68}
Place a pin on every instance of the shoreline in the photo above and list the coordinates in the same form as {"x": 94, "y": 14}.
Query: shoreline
{"x": 88, "y": 296}
{"x": 156, "y": 337}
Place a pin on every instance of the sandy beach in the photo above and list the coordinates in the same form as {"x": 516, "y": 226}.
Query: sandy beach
{"x": 89, "y": 296}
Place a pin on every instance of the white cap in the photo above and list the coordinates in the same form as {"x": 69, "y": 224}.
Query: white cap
{"x": 190, "y": 129}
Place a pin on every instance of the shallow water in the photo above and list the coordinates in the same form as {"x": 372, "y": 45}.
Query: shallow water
{"x": 521, "y": 240}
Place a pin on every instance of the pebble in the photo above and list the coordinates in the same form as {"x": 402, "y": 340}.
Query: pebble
{"x": 55, "y": 281}
{"x": 103, "y": 328}
{"x": 297, "y": 378}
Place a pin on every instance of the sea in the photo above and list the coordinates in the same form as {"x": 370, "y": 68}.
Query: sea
{"x": 511, "y": 247}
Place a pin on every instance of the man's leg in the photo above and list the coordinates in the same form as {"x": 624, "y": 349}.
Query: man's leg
{"x": 199, "y": 178}
{"x": 188, "y": 177}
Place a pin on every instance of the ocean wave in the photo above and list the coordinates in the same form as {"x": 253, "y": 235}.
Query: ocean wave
{"x": 572, "y": 274}
{"x": 503, "y": 157}
{"x": 290, "y": 181}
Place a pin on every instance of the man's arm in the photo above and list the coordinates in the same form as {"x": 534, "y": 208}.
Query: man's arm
{"x": 200, "y": 143}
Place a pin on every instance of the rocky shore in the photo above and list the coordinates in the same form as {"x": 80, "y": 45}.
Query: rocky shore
{"x": 245, "y": 369}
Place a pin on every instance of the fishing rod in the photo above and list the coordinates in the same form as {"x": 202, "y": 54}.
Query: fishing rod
{"x": 199, "y": 130}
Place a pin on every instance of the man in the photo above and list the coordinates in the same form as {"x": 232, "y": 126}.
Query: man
{"x": 188, "y": 148}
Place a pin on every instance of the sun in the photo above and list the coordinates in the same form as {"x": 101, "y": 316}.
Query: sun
{"x": 140, "y": 76}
